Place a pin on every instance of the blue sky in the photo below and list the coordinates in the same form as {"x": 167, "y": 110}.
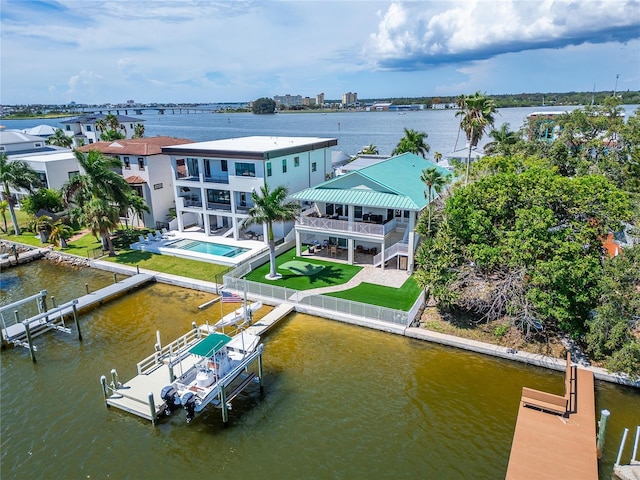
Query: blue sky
{"x": 207, "y": 51}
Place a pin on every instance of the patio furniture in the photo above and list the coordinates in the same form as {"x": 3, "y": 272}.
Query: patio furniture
{"x": 333, "y": 251}
{"x": 142, "y": 239}
{"x": 151, "y": 238}
{"x": 373, "y": 251}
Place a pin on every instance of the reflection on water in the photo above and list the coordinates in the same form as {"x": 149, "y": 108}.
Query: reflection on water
{"x": 340, "y": 401}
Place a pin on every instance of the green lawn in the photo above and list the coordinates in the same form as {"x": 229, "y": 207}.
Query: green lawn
{"x": 168, "y": 264}
{"x": 401, "y": 298}
{"x": 331, "y": 274}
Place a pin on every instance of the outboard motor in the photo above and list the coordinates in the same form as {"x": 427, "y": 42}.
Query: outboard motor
{"x": 171, "y": 397}
{"x": 189, "y": 404}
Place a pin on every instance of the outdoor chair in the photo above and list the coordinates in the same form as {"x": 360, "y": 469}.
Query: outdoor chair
{"x": 333, "y": 251}
{"x": 142, "y": 239}
{"x": 151, "y": 238}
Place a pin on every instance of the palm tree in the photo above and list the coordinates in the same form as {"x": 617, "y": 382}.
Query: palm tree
{"x": 15, "y": 174}
{"x": 138, "y": 130}
{"x": 99, "y": 180}
{"x": 101, "y": 217}
{"x": 4, "y": 206}
{"x": 101, "y": 125}
{"x": 503, "y": 138}
{"x": 42, "y": 226}
{"x": 434, "y": 180}
{"x": 437, "y": 156}
{"x": 136, "y": 206}
{"x": 412, "y": 142}
{"x": 477, "y": 115}
{"x": 60, "y": 233}
{"x": 60, "y": 139}
{"x": 269, "y": 207}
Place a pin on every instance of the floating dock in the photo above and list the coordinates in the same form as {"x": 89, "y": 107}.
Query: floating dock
{"x": 555, "y": 436}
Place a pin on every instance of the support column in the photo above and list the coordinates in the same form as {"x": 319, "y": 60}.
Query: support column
{"x": 411, "y": 240}
{"x": 298, "y": 246}
{"x": 350, "y": 247}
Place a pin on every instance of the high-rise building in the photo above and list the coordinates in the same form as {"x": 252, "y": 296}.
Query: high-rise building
{"x": 349, "y": 99}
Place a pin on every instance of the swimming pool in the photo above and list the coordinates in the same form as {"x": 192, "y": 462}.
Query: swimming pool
{"x": 207, "y": 247}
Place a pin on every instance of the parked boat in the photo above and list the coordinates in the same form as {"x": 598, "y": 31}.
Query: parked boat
{"x": 238, "y": 316}
{"x": 219, "y": 360}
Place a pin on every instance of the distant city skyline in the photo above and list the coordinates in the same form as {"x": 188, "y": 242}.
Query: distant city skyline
{"x": 56, "y": 52}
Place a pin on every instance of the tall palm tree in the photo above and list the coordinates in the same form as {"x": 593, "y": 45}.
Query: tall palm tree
{"x": 60, "y": 139}
{"x": 16, "y": 174}
{"x": 477, "y": 112}
{"x": 101, "y": 125}
{"x": 138, "y": 130}
{"x": 99, "y": 180}
{"x": 437, "y": 156}
{"x": 101, "y": 217}
{"x": 434, "y": 180}
{"x": 269, "y": 207}
{"x": 503, "y": 139}
{"x": 412, "y": 142}
{"x": 136, "y": 206}
{"x": 4, "y": 206}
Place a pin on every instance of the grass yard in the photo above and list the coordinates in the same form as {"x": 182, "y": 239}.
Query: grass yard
{"x": 168, "y": 264}
{"x": 331, "y": 273}
{"x": 401, "y": 298}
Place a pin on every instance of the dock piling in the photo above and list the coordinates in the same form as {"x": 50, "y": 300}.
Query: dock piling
{"x": 115, "y": 277}
{"x": 602, "y": 430}
{"x": 223, "y": 405}
{"x": 260, "y": 374}
{"x": 27, "y": 330}
{"x": 624, "y": 440}
{"x": 152, "y": 406}
{"x": 103, "y": 382}
{"x": 635, "y": 445}
{"x": 53, "y": 301}
{"x": 75, "y": 318}
{"x": 114, "y": 378}
{"x": 86, "y": 287}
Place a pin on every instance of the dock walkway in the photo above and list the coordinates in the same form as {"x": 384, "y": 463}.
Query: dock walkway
{"x": 550, "y": 446}
{"x": 16, "y": 332}
{"x": 270, "y": 319}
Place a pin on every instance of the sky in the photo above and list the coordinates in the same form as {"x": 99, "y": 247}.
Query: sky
{"x": 199, "y": 51}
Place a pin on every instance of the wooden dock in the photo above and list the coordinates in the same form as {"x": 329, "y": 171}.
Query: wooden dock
{"x": 547, "y": 445}
{"x": 270, "y": 319}
{"x": 53, "y": 318}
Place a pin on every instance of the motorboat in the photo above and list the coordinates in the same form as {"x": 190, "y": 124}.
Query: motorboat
{"x": 219, "y": 361}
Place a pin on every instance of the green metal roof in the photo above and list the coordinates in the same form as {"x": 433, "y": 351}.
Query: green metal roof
{"x": 210, "y": 344}
{"x": 394, "y": 183}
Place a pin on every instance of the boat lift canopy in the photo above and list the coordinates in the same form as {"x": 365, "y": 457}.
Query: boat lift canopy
{"x": 210, "y": 344}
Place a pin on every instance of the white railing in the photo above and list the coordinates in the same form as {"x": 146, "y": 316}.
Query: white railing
{"x": 168, "y": 351}
{"x": 395, "y": 249}
{"x": 369, "y": 229}
{"x": 282, "y": 294}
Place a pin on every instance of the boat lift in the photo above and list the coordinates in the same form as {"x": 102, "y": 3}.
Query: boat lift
{"x": 21, "y": 332}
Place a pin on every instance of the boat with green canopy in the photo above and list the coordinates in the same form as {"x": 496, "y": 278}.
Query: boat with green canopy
{"x": 221, "y": 361}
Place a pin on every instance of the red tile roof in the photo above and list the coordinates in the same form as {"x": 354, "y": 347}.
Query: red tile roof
{"x": 135, "y": 146}
{"x": 135, "y": 179}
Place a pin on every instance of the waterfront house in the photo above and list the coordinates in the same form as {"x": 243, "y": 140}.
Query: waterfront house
{"x": 54, "y": 165}
{"x": 148, "y": 171}
{"x": 213, "y": 180}
{"x": 83, "y": 129}
{"x": 371, "y": 210}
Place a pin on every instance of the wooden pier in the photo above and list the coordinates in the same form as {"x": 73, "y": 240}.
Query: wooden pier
{"x": 20, "y": 332}
{"x": 270, "y": 319}
{"x": 551, "y": 441}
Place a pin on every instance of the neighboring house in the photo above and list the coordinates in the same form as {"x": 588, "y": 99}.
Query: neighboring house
{"x": 83, "y": 129}
{"x": 148, "y": 171}
{"x": 44, "y": 131}
{"x": 359, "y": 162}
{"x": 374, "y": 209}
{"x": 214, "y": 180}
{"x": 54, "y": 165}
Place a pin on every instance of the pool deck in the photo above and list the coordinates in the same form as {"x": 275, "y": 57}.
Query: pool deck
{"x": 254, "y": 247}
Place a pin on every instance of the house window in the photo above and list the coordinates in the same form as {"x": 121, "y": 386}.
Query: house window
{"x": 219, "y": 196}
{"x": 91, "y": 140}
{"x": 75, "y": 173}
{"x": 37, "y": 145}
{"x": 284, "y": 165}
{"x": 313, "y": 166}
{"x": 68, "y": 128}
{"x": 296, "y": 161}
{"x": 268, "y": 169}
{"x": 141, "y": 163}
{"x": 131, "y": 126}
{"x": 137, "y": 189}
{"x": 127, "y": 163}
{"x": 2, "y": 148}
{"x": 357, "y": 211}
{"x": 223, "y": 166}
{"x": 245, "y": 170}
{"x": 43, "y": 179}
{"x": 88, "y": 128}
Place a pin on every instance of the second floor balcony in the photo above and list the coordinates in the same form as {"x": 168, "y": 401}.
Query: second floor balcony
{"x": 337, "y": 225}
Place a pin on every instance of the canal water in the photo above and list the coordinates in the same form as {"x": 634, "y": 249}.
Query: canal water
{"x": 340, "y": 401}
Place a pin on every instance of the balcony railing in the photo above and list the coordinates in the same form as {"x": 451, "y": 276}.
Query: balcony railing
{"x": 369, "y": 229}
{"x": 218, "y": 206}
{"x": 217, "y": 179}
{"x": 189, "y": 202}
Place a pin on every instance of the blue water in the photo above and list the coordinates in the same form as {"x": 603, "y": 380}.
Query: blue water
{"x": 208, "y": 248}
{"x": 352, "y": 129}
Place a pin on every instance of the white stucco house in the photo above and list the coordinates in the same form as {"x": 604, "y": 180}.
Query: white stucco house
{"x": 83, "y": 129}
{"x": 148, "y": 170}
{"x": 371, "y": 210}
{"x": 214, "y": 180}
